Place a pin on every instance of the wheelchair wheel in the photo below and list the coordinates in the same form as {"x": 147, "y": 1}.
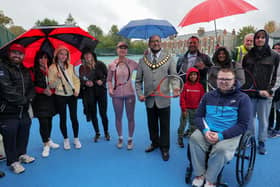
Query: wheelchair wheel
{"x": 245, "y": 158}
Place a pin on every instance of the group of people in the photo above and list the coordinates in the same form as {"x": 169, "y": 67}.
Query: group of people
{"x": 237, "y": 87}
{"x": 241, "y": 87}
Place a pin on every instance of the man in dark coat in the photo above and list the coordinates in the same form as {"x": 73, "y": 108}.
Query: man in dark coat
{"x": 194, "y": 58}
{"x": 260, "y": 66}
{"x": 16, "y": 93}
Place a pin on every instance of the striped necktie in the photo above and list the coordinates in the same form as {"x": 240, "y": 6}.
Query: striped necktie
{"x": 154, "y": 58}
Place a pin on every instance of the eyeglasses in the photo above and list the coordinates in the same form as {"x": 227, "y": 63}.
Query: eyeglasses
{"x": 224, "y": 79}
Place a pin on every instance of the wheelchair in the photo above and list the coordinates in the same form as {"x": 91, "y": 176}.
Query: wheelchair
{"x": 245, "y": 160}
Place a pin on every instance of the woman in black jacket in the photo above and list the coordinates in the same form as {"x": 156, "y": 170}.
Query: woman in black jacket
{"x": 93, "y": 75}
{"x": 43, "y": 103}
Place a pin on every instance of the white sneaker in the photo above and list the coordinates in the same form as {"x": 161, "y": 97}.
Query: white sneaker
{"x": 66, "y": 144}
{"x": 46, "y": 151}
{"x": 129, "y": 144}
{"x": 198, "y": 181}
{"x": 120, "y": 143}
{"x": 53, "y": 145}
{"x": 77, "y": 143}
{"x": 209, "y": 184}
{"x": 17, "y": 167}
{"x": 26, "y": 159}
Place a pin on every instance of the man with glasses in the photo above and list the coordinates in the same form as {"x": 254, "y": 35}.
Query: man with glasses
{"x": 153, "y": 67}
{"x": 16, "y": 93}
{"x": 221, "y": 118}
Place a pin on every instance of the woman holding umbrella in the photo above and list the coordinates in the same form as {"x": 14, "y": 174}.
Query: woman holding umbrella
{"x": 93, "y": 75}
{"x": 67, "y": 86}
{"x": 43, "y": 103}
{"x": 122, "y": 92}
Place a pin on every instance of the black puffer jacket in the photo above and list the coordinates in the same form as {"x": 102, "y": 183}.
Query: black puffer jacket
{"x": 16, "y": 90}
{"x": 43, "y": 105}
{"x": 261, "y": 66}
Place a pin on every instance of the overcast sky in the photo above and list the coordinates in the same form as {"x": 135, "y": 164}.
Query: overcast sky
{"x": 105, "y": 13}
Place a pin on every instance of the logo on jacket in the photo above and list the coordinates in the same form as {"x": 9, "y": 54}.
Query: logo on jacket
{"x": 233, "y": 101}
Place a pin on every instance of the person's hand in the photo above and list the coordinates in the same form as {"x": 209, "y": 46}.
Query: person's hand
{"x": 59, "y": 75}
{"x": 99, "y": 82}
{"x": 211, "y": 137}
{"x": 264, "y": 93}
{"x": 47, "y": 92}
{"x": 176, "y": 92}
{"x": 111, "y": 92}
{"x": 76, "y": 94}
{"x": 184, "y": 114}
{"x": 142, "y": 98}
{"x": 89, "y": 83}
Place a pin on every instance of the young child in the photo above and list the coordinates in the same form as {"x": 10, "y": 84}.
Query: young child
{"x": 189, "y": 101}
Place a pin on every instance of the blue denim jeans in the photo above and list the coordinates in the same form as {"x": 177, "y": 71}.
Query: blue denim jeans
{"x": 261, "y": 109}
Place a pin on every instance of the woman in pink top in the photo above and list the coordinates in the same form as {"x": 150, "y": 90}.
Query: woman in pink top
{"x": 122, "y": 92}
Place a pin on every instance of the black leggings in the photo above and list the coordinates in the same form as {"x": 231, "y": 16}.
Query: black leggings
{"x": 101, "y": 101}
{"x": 61, "y": 103}
{"x": 45, "y": 128}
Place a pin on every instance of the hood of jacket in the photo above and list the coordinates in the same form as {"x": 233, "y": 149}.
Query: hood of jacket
{"x": 192, "y": 69}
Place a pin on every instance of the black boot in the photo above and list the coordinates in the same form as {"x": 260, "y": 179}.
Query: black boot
{"x": 2, "y": 174}
{"x": 96, "y": 137}
{"x": 181, "y": 142}
{"x": 107, "y": 136}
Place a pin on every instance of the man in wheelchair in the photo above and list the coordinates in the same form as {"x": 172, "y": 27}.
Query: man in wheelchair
{"x": 222, "y": 117}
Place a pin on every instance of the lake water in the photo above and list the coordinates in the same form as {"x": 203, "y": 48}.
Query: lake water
{"x": 109, "y": 59}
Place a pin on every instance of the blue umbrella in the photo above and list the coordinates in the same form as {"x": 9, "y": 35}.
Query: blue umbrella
{"x": 143, "y": 29}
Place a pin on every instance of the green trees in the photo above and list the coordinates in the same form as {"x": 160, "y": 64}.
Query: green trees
{"x": 243, "y": 31}
{"x": 270, "y": 26}
{"x": 5, "y": 20}
{"x": 46, "y": 22}
{"x": 16, "y": 30}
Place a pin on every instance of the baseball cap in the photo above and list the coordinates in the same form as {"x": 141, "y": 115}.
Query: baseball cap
{"x": 122, "y": 44}
{"x": 17, "y": 47}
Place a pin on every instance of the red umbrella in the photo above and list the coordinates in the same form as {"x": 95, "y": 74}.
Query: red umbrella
{"x": 213, "y": 9}
{"x": 48, "y": 38}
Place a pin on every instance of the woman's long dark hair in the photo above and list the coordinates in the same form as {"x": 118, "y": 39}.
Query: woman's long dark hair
{"x": 227, "y": 61}
{"x": 39, "y": 77}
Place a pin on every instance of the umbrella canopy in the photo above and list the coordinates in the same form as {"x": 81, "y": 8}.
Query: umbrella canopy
{"x": 213, "y": 9}
{"x": 48, "y": 38}
{"x": 144, "y": 29}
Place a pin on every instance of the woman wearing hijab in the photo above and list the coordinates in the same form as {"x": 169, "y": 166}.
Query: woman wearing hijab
{"x": 221, "y": 59}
